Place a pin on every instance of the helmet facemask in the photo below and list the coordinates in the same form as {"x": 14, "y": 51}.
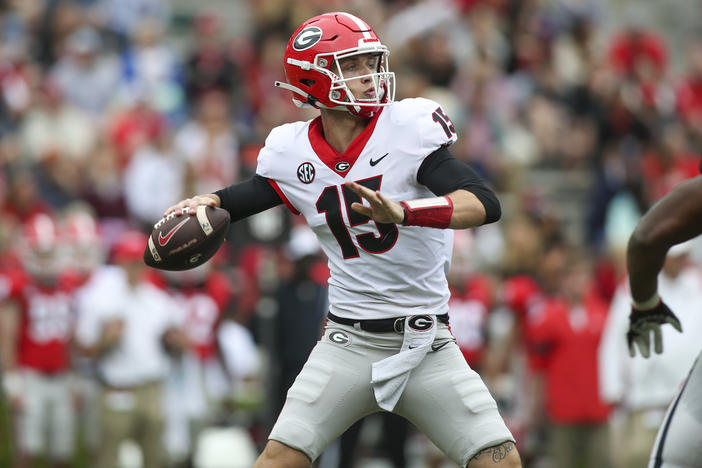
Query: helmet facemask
{"x": 383, "y": 81}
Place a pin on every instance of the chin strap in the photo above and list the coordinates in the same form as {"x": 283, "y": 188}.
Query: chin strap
{"x": 309, "y": 100}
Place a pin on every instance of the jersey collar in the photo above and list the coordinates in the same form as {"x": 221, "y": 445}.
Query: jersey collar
{"x": 330, "y": 156}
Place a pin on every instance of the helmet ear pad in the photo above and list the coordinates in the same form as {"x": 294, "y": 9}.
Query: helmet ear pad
{"x": 317, "y": 85}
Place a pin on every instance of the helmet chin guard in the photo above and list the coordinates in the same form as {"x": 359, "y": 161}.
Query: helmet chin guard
{"x": 312, "y": 68}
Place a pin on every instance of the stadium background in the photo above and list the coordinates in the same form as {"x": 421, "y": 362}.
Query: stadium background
{"x": 578, "y": 128}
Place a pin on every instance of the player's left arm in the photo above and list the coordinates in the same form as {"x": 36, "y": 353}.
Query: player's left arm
{"x": 463, "y": 200}
{"x": 474, "y": 203}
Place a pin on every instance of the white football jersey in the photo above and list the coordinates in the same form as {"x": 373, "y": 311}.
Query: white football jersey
{"x": 377, "y": 270}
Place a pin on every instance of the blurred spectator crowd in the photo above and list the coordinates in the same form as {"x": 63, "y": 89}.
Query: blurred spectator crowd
{"x": 112, "y": 110}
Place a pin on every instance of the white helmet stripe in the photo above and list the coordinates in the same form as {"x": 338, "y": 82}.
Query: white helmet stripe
{"x": 362, "y": 25}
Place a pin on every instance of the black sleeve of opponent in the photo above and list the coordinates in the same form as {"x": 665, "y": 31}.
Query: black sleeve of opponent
{"x": 441, "y": 173}
{"x": 249, "y": 197}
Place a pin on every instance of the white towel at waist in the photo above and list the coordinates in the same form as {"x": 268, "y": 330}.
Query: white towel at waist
{"x": 389, "y": 376}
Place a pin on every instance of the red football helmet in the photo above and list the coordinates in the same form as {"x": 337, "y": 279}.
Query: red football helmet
{"x": 129, "y": 246}
{"x": 40, "y": 247}
{"x": 82, "y": 238}
{"x": 312, "y": 64}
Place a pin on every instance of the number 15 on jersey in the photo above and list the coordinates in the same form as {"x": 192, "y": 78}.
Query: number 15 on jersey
{"x": 329, "y": 203}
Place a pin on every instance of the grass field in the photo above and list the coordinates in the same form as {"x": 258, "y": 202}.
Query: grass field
{"x": 5, "y": 437}
{"x": 6, "y": 455}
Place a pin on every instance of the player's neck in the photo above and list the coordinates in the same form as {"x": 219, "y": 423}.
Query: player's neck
{"x": 341, "y": 128}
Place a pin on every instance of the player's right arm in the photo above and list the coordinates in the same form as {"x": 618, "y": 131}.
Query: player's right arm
{"x": 676, "y": 218}
{"x": 240, "y": 200}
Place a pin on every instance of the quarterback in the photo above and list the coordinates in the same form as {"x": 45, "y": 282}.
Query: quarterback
{"x": 376, "y": 183}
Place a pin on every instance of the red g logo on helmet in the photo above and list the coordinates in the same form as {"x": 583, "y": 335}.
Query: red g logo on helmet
{"x": 307, "y": 38}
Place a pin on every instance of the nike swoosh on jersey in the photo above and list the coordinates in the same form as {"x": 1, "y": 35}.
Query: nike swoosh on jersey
{"x": 374, "y": 162}
{"x": 438, "y": 347}
{"x": 163, "y": 240}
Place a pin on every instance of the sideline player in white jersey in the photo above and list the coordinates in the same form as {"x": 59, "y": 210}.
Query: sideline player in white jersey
{"x": 676, "y": 218}
{"x": 375, "y": 181}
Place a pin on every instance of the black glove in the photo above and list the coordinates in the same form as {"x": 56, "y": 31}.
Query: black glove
{"x": 643, "y": 322}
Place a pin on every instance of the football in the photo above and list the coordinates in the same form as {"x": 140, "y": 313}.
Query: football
{"x": 186, "y": 241}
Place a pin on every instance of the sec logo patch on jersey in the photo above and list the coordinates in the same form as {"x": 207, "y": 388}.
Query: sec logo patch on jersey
{"x": 306, "y": 172}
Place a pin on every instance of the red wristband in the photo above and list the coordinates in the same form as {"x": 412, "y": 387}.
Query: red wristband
{"x": 430, "y": 212}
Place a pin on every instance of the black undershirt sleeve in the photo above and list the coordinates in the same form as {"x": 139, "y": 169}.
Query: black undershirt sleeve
{"x": 248, "y": 198}
{"x": 441, "y": 173}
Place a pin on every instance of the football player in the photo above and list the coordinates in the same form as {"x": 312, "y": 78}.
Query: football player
{"x": 128, "y": 327}
{"x": 376, "y": 183}
{"x": 193, "y": 388}
{"x": 676, "y": 218}
{"x": 84, "y": 254}
{"x": 38, "y": 321}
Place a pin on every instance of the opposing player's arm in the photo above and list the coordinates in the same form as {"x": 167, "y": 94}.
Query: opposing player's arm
{"x": 674, "y": 219}
{"x": 677, "y": 217}
{"x": 240, "y": 200}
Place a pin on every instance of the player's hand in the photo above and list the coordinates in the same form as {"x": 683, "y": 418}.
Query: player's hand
{"x": 644, "y": 322}
{"x": 189, "y": 205}
{"x": 381, "y": 209}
